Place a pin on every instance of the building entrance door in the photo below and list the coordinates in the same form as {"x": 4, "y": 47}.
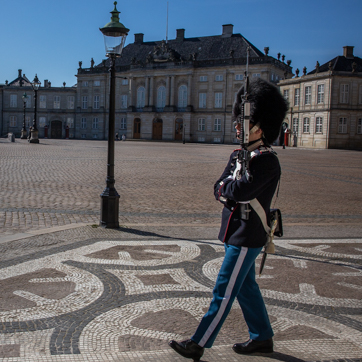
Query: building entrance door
{"x": 157, "y": 129}
{"x": 179, "y": 127}
{"x": 137, "y": 128}
{"x": 56, "y": 129}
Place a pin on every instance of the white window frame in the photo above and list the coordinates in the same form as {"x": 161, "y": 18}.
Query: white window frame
{"x": 96, "y": 101}
{"x": 201, "y": 124}
{"x": 320, "y": 93}
{"x": 95, "y": 123}
{"x": 70, "y": 102}
{"x": 217, "y": 125}
{"x": 297, "y": 96}
{"x": 218, "y": 100}
{"x": 12, "y": 121}
{"x": 97, "y": 83}
{"x": 83, "y": 136}
{"x": 203, "y": 78}
{"x": 123, "y": 123}
{"x": 202, "y": 100}
{"x": 286, "y": 94}
{"x": 308, "y": 95}
{"x": 219, "y": 78}
{"x": 124, "y": 81}
{"x": 319, "y": 125}
{"x": 42, "y": 122}
{"x": 344, "y": 94}
{"x": 182, "y": 96}
{"x": 56, "y": 102}
{"x": 161, "y": 96}
{"x": 28, "y": 121}
{"x": 295, "y": 125}
{"x": 239, "y": 76}
{"x": 85, "y": 83}
{"x": 42, "y": 101}
{"x": 256, "y": 75}
{"x": 83, "y": 123}
{"x": 342, "y": 125}
{"x": 141, "y": 97}
{"x": 306, "y": 125}
{"x": 359, "y": 126}
{"x": 124, "y": 101}
{"x": 70, "y": 122}
{"x": 13, "y": 100}
{"x": 84, "y": 102}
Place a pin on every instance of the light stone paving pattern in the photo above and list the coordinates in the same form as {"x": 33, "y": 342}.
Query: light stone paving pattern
{"x": 72, "y": 291}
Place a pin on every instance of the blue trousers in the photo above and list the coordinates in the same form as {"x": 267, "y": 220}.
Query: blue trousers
{"x": 236, "y": 279}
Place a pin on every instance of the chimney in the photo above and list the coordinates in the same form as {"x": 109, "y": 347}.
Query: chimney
{"x": 138, "y": 38}
{"x": 227, "y": 30}
{"x": 180, "y": 34}
{"x": 348, "y": 52}
{"x": 46, "y": 85}
{"x": 19, "y": 73}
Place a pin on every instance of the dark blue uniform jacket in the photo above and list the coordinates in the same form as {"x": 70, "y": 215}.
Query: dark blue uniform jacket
{"x": 266, "y": 172}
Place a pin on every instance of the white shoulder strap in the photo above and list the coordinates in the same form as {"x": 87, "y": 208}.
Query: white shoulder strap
{"x": 255, "y": 204}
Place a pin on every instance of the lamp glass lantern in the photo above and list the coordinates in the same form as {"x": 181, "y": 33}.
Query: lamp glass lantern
{"x": 36, "y": 83}
{"x": 114, "y": 34}
{"x": 25, "y": 98}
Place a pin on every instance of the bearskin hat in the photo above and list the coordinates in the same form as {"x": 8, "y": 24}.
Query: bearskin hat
{"x": 268, "y": 107}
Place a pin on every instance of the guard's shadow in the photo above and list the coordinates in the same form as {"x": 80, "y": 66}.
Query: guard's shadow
{"x": 275, "y": 355}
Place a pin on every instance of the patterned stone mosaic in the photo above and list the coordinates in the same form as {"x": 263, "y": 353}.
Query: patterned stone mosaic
{"x": 113, "y": 300}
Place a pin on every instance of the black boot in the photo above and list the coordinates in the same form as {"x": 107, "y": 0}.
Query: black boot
{"x": 187, "y": 349}
{"x": 252, "y": 346}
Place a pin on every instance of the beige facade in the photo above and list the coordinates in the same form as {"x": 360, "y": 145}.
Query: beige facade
{"x": 326, "y": 105}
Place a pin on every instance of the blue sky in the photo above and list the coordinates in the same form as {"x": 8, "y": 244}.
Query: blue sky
{"x": 50, "y": 37}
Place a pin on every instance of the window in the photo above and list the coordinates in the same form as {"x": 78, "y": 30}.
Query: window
{"x": 239, "y": 77}
{"x": 12, "y": 121}
{"x": 97, "y": 83}
{"x": 124, "y": 82}
{"x": 342, "y": 126}
{"x": 70, "y": 102}
{"x": 203, "y": 78}
{"x": 83, "y": 123}
{"x": 43, "y": 102}
{"x": 360, "y": 95}
{"x": 95, "y": 136}
{"x": 83, "y": 136}
{"x": 202, "y": 100}
{"x": 141, "y": 97}
{"x": 344, "y": 93}
{"x": 124, "y": 101}
{"x": 28, "y": 122}
{"x": 201, "y": 124}
{"x": 295, "y": 125}
{"x": 161, "y": 97}
{"x": 217, "y": 124}
{"x": 182, "y": 96}
{"x": 218, "y": 100}
{"x": 219, "y": 78}
{"x": 96, "y": 102}
{"x": 296, "y": 96}
{"x": 359, "y": 126}
{"x": 42, "y": 121}
{"x": 308, "y": 95}
{"x": 306, "y": 125}
{"x": 13, "y": 100}
{"x": 124, "y": 123}
{"x": 28, "y": 102}
{"x": 320, "y": 94}
{"x": 286, "y": 94}
{"x": 84, "y": 102}
{"x": 95, "y": 123}
{"x": 256, "y": 75}
{"x": 56, "y": 104}
{"x": 85, "y": 83}
{"x": 70, "y": 122}
{"x": 318, "y": 125}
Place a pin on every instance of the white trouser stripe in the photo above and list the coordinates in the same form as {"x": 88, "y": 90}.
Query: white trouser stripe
{"x": 226, "y": 298}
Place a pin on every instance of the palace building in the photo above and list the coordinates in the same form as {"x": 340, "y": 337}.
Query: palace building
{"x": 180, "y": 89}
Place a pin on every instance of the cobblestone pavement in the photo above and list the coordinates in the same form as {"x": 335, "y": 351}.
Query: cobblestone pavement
{"x": 72, "y": 291}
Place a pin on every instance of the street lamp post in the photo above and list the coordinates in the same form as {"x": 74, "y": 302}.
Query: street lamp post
{"x": 34, "y": 130}
{"x": 115, "y": 34}
{"x": 23, "y": 130}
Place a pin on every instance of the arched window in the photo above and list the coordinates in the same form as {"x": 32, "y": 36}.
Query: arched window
{"x": 141, "y": 97}
{"x": 182, "y": 96}
{"x": 161, "y": 97}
